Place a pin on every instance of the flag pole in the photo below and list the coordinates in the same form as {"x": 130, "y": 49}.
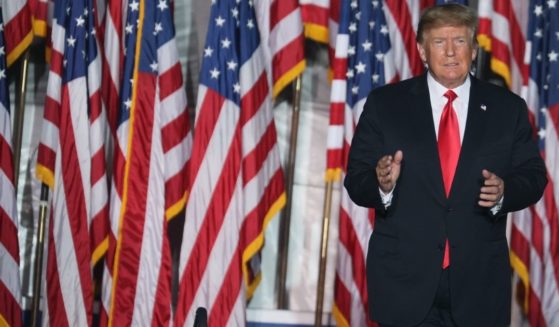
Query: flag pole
{"x": 285, "y": 222}
{"x": 323, "y": 253}
{"x": 20, "y": 115}
{"x": 38, "y": 265}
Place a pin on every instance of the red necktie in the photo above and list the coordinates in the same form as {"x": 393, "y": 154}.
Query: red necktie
{"x": 449, "y": 151}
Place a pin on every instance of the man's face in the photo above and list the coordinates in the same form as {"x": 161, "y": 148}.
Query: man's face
{"x": 449, "y": 52}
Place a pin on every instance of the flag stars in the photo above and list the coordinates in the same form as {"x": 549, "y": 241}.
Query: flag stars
{"x": 225, "y": 43}
{"x": 384, "y": 30}
{"x": 129, "y": 29}
{"x": 351, "y": 50}
{"x": 349, "y": 73}
{"x": 2, "y": 74}
{"x": 557, "y": 34}
{"x": 538, "y": 10}
{"x": 128, "y": 103}
{"x": 231, "y": 65}
{"x": 80, "y": 21}
{"x": 375, "y": 78}
{"x": 2, "y": 51}
{"x": 358, "y": 15}
{"x": 158, "y": 28}
{"x": 375, "y": 3}
{"x": 219, "y": 21}
{"x": 237, "y": 88}
{"x": 552, "y": 56}
{"x": 85, "y": 12}
{"x": 214, "y": 73}
{"x": 153, "y": 66}
{"x": 71, "y": 41}
{"x": 1, "y": 27}
{"x": 539, "y": 56}
{"x": 538, "y": 33}
{"x": 380, "y": 56}
{"x": 541, "y": 133}
{"x": 162, "y": 5}
{"x": 355, "y": 90}
{"x": 551, "y": 3}
{"x": 372, "y": 24}
{"x": 354, "y": 4}
{"x": 134, "y": 5}
{"x": 367, "y": 45}
{"x": 208, "y": 52}
{"x": 250, "y": 24}
{"x": 360, "y": 67}
{"x": 235, "y": 12}
{"x": 352, "y": 27}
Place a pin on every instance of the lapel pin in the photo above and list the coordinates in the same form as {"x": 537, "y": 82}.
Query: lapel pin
{"x": 483, "y": 107}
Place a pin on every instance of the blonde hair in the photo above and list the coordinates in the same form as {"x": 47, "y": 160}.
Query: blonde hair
{"x": 451, "y": 14}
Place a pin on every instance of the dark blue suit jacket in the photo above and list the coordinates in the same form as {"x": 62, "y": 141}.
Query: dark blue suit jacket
{"x": 406, "y": 248}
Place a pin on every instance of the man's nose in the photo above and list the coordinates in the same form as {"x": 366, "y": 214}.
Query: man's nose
{"x": 449, "y": 50}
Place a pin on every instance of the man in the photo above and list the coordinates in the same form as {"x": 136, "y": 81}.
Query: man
{"x": 442, "y": 169}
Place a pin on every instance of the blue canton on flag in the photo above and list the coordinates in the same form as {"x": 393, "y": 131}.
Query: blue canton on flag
{"x": 543, "y": 35}
{"x": 368, "y": 45}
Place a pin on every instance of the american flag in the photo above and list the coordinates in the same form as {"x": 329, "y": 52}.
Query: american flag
{"x": 502, "y": 33}
{"x": 10, "y": 289}
{"x": 71, "y": 161}
{"x": 113, "y": 53}
{"x": 236, "y": 178}
{"x": 17, "y": 28}
{"x": 152, "y": 152}
{"x": 315, "y": 15}
{"x": 284, "y": 38}
{"x": 363, "y": 61}
{"x": 535, "y": 231}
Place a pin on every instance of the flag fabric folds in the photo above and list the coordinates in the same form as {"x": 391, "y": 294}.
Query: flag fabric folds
{"x": 10, "y": 288}
{"x": 284, "y": 38}
{"x": 71, "y": 161}
{"x": 502, "y": 33}
{"x": 151, "y": 155}
{"x": 315, "y": 15}
{"x": 17, "y": 28}
{"x": 236, "y": 178}
{"x": 535, "y": 231}
{"x": 363, "y": 61}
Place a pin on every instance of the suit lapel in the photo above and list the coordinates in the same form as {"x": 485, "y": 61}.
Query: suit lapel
{"x": 473, "y": 134}
{"x": 427, "y": 140}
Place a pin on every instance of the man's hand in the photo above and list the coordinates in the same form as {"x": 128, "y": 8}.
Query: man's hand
{"x": 492, "y": 190}
{"x": 388, "y": 171}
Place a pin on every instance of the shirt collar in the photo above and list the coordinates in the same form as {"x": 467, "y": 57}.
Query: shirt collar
{"x": 438, "y": 90}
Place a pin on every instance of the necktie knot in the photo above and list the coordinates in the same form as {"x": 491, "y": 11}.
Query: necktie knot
{"x": 450, "y": 95}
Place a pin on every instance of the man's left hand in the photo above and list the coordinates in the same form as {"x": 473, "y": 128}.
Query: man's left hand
{"x": 492, "y": 190}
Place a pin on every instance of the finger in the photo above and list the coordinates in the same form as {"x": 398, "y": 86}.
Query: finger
{"x": 489, "y": 190}
{"x": 488, "y": 197}
{"x": 398, "y": 156}
{"x": 487, "y": 174}
{"x": 492, "y": 182}
{"x": 486, "y": 204}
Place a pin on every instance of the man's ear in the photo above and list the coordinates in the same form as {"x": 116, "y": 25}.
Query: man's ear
{"x": 422, "y": 54}
{"x": 474, "y": 51}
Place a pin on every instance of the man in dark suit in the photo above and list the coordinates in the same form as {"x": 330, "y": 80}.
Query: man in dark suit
{"x": 442, "y": 158}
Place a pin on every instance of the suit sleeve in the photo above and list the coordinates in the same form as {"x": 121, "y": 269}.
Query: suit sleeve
{"x": 525, "y": 183}
{"x": 366, "y": 149}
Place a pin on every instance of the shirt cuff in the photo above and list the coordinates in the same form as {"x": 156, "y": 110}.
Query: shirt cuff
{"x": 386, "y": 198}
{"x": 496, "y": 208}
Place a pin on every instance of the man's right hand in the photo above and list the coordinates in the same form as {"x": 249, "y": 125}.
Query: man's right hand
{"x": 388, "y": 171}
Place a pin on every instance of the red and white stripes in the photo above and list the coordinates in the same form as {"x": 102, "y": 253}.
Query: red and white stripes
{"x": 502, "y": 32}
